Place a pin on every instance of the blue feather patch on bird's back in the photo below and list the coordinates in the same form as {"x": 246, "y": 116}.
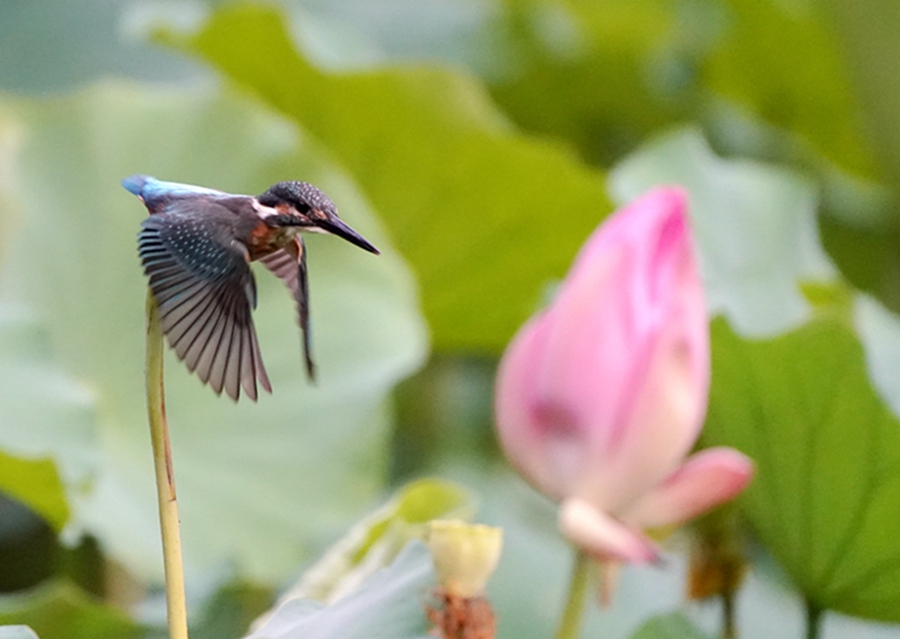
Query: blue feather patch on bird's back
{"x": 149, "y": 188}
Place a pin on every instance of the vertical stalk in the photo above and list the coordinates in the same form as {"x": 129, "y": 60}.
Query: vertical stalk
{"x": 570, "y": 622}
{"x": 729, "y": 629}
{"x": 176, "y": 606}
{"x": 813, "y": 620}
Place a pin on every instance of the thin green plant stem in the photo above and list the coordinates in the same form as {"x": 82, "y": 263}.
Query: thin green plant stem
{"x": 176, "y": 606}
{"x": 570, "y": 622}
{"x": 813, "y": 620}
{"x": 729, "y": 629}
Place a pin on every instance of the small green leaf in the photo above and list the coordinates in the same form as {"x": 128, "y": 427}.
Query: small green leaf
{"x": 36, "y": 484}
{"x": 387, "y": 604}
{"x": 827, "y": 451}
{"x": 62, "y": 611}
{"x": 485, "y": 216}
{"x": 671, "y": 626}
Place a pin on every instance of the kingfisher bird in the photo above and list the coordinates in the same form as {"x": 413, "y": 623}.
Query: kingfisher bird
{"x": 196, "y": 247}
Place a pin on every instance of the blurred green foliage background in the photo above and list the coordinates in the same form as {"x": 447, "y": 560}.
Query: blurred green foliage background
{"x": 478, "y": 143}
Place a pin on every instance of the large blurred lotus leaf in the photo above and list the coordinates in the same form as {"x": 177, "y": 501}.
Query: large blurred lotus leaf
{"x": 48, "y": 416}
{"x": 59, "y": 610}
{"x": 592, "y": 72}
{"x": 827, "y": 451}
{"x": 484, "y": 215}
{"x": 257, "y": 482}
{"x": 784, "y": 63}
{"x": 90, "y": 41}
{"x": 755, "y": 226}
{"x": 867, "y": 32}
{"x": 387, "y": 604}
{"x": 629, "y": 67}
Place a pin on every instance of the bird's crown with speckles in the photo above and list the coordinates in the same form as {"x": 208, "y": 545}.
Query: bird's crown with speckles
{"x": 300, "y": 194}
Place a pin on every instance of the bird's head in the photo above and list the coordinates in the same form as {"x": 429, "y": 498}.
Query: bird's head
{"x": 302, "y": 204}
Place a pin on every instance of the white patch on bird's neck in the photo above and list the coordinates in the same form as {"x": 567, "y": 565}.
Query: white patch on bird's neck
{"x": 265, "y": 211}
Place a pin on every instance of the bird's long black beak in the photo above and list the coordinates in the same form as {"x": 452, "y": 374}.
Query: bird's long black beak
{"x": 336, "y": 226}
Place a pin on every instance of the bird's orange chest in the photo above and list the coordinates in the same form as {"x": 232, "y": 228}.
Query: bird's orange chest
{"x": 265, "y": 240}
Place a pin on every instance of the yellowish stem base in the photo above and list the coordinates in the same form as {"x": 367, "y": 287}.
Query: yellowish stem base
{"x": 165, "y": 478}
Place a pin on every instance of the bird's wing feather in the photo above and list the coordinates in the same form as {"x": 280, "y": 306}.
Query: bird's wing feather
{"x": 203, "y": 285}
{"x": 289, "y": 265}
{"x": 284, "y": 265}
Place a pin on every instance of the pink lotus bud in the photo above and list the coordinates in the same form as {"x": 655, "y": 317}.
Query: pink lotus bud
{"x": 601, "y": 396}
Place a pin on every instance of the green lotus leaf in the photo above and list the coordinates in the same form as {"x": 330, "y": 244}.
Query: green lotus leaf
{"x": 827, "y": 453}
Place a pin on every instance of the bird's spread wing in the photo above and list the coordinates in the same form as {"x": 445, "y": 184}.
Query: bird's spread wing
{"x": 203, "y": 285}
{"x": 289, "y": 264}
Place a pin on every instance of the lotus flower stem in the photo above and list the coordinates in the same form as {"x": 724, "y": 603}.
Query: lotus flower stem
{"x": 570, "y": 623}
{"x": 813, "y": 620}
{"x": 165, "y": 479}
{"x": 729, "y": 627}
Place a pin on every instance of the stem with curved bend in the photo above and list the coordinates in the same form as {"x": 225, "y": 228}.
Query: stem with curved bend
{"x": 165, "y": 479}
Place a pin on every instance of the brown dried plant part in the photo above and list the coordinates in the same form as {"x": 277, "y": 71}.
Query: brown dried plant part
{"x": 456, "y": 617}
